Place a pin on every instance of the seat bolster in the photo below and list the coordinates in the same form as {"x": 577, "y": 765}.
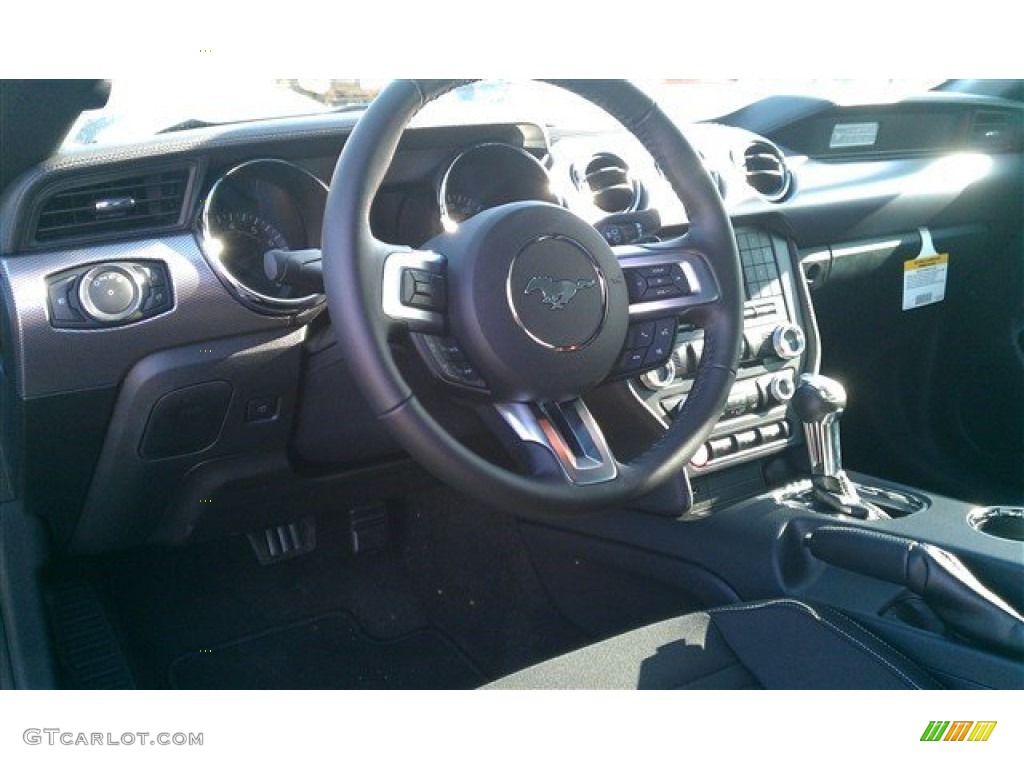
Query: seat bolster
{"x": 685, "y": 652}
{"x": 787, "y": 644}
{"x": 781, "y": 644}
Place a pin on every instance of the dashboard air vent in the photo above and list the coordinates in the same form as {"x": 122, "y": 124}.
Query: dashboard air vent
{"x": 126, "y": 204}
{"x": 992, "y": 130}
{"x": 606, "y": 178}
{"x": 765, "y": 169}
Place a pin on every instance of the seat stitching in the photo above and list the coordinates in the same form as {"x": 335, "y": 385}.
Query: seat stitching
{"x": 800, "y": 607}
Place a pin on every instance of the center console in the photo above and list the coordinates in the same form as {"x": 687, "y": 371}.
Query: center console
{"x": 776, "y": 330}
{"x": 937, "y": 578}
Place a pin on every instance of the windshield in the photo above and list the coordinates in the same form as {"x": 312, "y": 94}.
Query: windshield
{"x": 141, "y": 107}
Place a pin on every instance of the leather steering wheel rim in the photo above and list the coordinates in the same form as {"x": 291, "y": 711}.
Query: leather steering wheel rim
{"x": 352, "y": 266}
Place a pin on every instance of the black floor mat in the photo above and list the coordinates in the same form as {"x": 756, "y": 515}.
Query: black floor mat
{"x": 328, "y": 652}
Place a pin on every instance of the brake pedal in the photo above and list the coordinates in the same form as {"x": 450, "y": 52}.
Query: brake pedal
{"x": 272, "y": 545}
{"x": 368, "y": 528}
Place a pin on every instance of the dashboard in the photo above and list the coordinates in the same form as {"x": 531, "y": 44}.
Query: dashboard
{"x": 165, "y": 298}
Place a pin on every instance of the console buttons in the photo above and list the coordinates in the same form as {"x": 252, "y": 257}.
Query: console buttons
{"x": 745, "y": 440}
{"x": 720, "y": 447}
{"x": 701, "y": 457}
{"x": 772, "y": 432}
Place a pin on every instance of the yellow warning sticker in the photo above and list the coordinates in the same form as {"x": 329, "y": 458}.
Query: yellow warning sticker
{"x": 924, "y": 280}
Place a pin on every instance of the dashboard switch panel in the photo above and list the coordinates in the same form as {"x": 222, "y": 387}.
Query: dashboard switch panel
{"x": 109, "y": 294}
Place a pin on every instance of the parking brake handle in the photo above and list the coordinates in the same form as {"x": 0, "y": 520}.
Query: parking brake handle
{"x": 967, "y": 607}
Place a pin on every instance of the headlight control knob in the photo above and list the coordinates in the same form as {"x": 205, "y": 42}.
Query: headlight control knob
{"x": 110, "y": 293}
{"x": 788, "y": 341}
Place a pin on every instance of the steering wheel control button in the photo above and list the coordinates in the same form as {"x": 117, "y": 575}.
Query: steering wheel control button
{"x": 557, "y": 293}
{"x": 632, "y": 360}
{"x": 657, "y": 282}
{"x": 449, "y": 361}
{"x": 649, "y": 345}
{"x": 636, "y": 283}
{"x": 640, "y": 335}
{"x": 424, "y": 290}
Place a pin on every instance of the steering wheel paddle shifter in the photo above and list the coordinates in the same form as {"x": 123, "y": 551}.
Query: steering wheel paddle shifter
{"x": 819, "y": 402}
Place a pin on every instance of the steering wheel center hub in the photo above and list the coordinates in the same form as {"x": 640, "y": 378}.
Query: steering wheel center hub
{"x": 557, "y": 293}
{"x": 537, "y": 299}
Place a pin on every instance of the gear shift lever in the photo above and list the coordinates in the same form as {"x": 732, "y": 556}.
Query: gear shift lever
{"x": 818, "y": 402}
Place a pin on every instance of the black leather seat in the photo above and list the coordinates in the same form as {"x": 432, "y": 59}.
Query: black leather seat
{"x": 772, "y": 644}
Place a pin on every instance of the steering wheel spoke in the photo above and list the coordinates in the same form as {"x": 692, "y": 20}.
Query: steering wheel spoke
{"x": 566, "y": 434}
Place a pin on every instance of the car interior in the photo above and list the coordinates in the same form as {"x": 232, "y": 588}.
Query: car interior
{"x": 382, "y": 398}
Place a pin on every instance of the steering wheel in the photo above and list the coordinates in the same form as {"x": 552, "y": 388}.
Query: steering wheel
{"x": 525, "y": 308}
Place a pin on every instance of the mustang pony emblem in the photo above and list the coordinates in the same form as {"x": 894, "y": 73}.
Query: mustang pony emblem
{"x": 557, "y": 293}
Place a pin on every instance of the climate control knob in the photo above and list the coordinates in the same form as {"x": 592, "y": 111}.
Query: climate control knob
{"x": 659, "y": 378}
{"x": 788, "y": 341}
{"x": 110, "y": 293}
{"x": 781, "y": 387}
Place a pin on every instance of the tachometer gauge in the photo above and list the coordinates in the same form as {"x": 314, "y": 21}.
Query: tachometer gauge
{"x": 240, "y": 240}
{"x": 259, "y": 206}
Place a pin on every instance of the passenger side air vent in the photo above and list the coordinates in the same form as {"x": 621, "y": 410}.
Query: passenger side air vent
{"x": 122, "y": 205}
{"x": 994, "y": 131}
{"x": 764, "y": 166}
{"x": 606, "y": 178}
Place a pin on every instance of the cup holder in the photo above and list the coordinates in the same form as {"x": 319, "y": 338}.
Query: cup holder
{"x": 1001, "y": 522}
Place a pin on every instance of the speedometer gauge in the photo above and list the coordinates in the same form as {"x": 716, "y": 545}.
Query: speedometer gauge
{"x": 488, "y": 175}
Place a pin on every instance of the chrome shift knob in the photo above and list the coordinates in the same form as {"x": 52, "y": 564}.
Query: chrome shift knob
{"x": 819, "y": 402}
